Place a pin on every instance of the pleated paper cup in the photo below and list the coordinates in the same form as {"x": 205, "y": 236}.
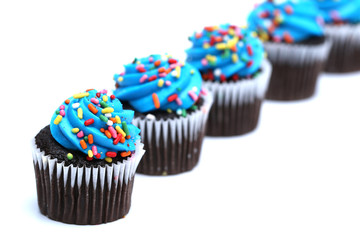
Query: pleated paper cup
{"x": 237, "y": 105}
{"x": 173, "y": 146}
{"x": 345, "y": 51}
{"x": 296, "y": 68}
{"x": 84, "y": 195}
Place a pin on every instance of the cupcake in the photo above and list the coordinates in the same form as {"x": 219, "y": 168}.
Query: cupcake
{"x": 294, "y": 39}
{"x": 233, "y": 67}
{"x": 171, "y": 109}
{"x": 85, "y": 160}
{"x": 342, "y": 27}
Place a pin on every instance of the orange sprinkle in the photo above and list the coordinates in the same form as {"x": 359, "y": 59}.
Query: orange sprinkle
{"x": 168, "y": 70}
{"x": 102, "y": 130}
{"x": 157, "y": 63}
{"x": 161, "y": 70}
{"x": 107, "y": 133}
{"x": 87, "y": 90}
{"x": 128, "y": 137}
{"x": 122, "y": 139}
{"x": 288, "y": 38}
{"x": 83, "y": 144}
{"x": 125, "y": 154}
{"x": 90, "y": 139}
{"x": 67, "y": 101}
{"x": 156, "y": 100}
{"x": 92, "y": 108}
{"x": 113, "y": 120}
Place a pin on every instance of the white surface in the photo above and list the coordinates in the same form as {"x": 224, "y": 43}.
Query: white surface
{"x": 296, "y": 177}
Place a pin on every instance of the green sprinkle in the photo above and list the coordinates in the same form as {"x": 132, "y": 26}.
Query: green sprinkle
{"x": 194, "y": 107}
{"x": 86, "y": 138}
{"x": 103, "y": 118}
{"x": 57, "y": 112}
{"x": 104, "y": 104}
{"x": 125, "y": 128}
{"x": 179, "y": 89}
{"x": 69, "y": 156}
{"x": 184, "y": 113}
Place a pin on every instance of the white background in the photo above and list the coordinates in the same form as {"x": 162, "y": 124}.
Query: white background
{"x": 296, "y": 177}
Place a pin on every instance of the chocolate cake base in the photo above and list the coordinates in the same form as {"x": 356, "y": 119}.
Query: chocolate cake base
{"x": 232, "y": 120}
{"x": 81, "y": 204}
{"x": 290, "y": 82}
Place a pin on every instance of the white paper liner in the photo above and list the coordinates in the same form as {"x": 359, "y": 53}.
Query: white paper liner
{"x": 243, "y": 91}
{"x": 172, "y": 132}
{"x": 297, "y": 54}
{"x": 347, "y": 35}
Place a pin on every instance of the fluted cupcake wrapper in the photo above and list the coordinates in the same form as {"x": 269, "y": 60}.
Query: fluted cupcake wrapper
{"x": 296, "y": 68}
{"x": 173, "y": 145}
{"x": 84, "y": 195}
{"x": 345, "y": 51}
{"x": 237, "y": 105}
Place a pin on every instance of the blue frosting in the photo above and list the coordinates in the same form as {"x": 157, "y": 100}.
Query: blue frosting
{"x": 69, "y": 127}
{"x": 225, "y": 51}
{"x": 288, "y": 21}
{"x": 334, "y": 11}
{"x": 158, "y": 83}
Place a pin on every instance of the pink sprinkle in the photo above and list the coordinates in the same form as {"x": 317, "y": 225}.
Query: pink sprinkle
{"x": 62, "y": 113}
{"x": 174, "y": 65}
{"x": 204, "y": 62}
{"x": 151, "y": 59}
{"x": 167, "y": 83}
{"x": 203, "y": 92}
{"x": 178, "y": 101}
{"x": 277, "y": 39}
{"x": 94, "y": 100}
{"x": 193, "y": 95}
{"x": 163, "y": 74}
{"x": 62, "y": 107}
{"x": 94, "y": 150}
{"x": 112, "y": 131}
{"x": 80, "y": 134}
{"x": 140, "y": 66}
{"x": 122, "y": 74}
{"x": 143, "y": 78}
{"x": 104, "y": 91}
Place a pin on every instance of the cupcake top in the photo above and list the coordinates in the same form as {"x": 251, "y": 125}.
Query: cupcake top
{"x": 158, "y": 82}
{"x": 225, "y": 51}
{"x": 96, "y": 124}
{"x": 287, "y": 21}
{"x": 340, "y": 11}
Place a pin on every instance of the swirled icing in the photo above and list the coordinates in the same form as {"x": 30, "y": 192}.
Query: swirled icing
{"x": 226, "y": 51}
{"x": 287, "y": 21}
{"x": 339, "y": 11}
{"x": 158, "y": 83}
{"x": 95, "y": 124}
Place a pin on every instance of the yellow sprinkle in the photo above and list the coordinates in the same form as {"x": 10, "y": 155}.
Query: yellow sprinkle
{"x": 221, "y": 46}
{"x": 232, "y": 42}
{"x": 254, "y": 34}
{"x": 169, "y": 110}
{"x": 90, "y": 153}
{"x": 105, "y": 98}
{"x": 178, "y": 71}
{"x": 210, "y": 58}
{"x": 118, "y": 120}
{"x": 80, "y": 113}
{"x": 119, "y": 130}
{"x": 80, "y": 95}
{"x": 108, "y": 159}
{"x": 107, "y": 110}
{"x": 75, "y": 130}
{"x": 231, "y": 32}
{"x": 234, "y": 57}
{"x": 120, "y": 79}
{"x": 206, "y": 45}
{"x": 192, "y": 71}
{"x": 160, "y": 82}
{"x": 57, "y": 119}
{"x": 265, "y": 54}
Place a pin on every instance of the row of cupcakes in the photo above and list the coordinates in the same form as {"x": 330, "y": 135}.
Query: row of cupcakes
{"x": 85, "y": 160}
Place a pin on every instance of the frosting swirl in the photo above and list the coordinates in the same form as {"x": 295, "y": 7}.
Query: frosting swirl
{"x": 158, "y": 83}
{"x": 340, "y": 11}
{"x": 225, "y": 51}
{"x": 287, "y": 21}
{"x": 96, "y": 125}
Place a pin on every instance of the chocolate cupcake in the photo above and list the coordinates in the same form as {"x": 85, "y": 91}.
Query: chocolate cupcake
{"x": 234, "y": 68}
{"x": 342, "y": 27}
{"x": 297, "y": 48}
{"x": 171, "y": 109}
{"x": 85, "y": 160}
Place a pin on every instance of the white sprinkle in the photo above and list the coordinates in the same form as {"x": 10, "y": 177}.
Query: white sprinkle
{"x": 76, "y": 105}
{"x": 195, "y": 89}
{"x": 109, "y": 123}
{"x": 108, "y": 115}
{"x": 174, "y": 73}
{"x": 240, "y": 44}
{"x": 217, "y": 72}
{"x": 179, "y": 111}
{"x": 150, "y": 117}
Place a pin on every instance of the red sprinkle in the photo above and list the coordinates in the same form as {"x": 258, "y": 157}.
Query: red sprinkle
{"x": 289, "y": 10}
{"x": 152, "y": 78}
{"x": 98, "y": 155}
{"x": 112, "y": 97}
{"x": 111, "y": 154}
{"x": 249, "y": 50}
{"x": 89, "y": 158}
{"x": 89, "y": 122}
{"x": 172, "y": 97}
{"x": 249, "y": 63}
{"x": 117, "y": 139}
{"x": 222, "y": 78}
{"x": 141, "y": 69}
{"x": 98, "y": 94}
{"x": 171, "y": 60}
